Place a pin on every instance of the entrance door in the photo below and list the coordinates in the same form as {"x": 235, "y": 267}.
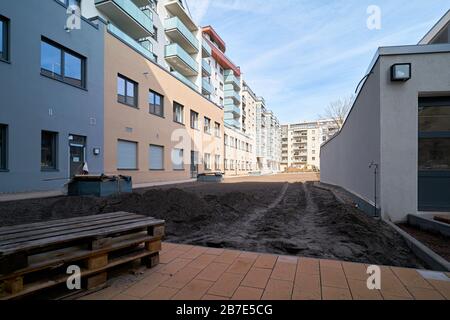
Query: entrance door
{"x": 194, "y": 164}
{"x": 434, "y": 154}
{"x": 77, "y": 147}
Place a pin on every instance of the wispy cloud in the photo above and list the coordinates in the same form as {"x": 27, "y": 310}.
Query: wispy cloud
{"x": 301, "y": 54}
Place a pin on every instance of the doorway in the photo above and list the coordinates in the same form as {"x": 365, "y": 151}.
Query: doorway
{"x": 194, "y": 164}
{"x": 77, "y": 154}
{"x": 434, "y": 154}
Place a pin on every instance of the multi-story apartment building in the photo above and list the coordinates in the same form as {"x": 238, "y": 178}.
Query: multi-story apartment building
{"x": 300, "y": 144}
{"x": 51, "y": 96}
{"x": 268, "y": 139}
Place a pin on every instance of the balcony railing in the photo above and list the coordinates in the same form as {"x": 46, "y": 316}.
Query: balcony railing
{"x": 233, "y": 96}
{"x": 181, "y": 60}
{"x": 206, "y": 68}
{"x": 126, "y": 14}
{"x": 233, "y": 109}
{"x": 177, "y": 31}
{"x": 130, "y": 41}
{"x": 185, "y": 80}
{"x": 206, "y": 87}
{"x": 206, "y": 49}
{"x": 230, "y": 78}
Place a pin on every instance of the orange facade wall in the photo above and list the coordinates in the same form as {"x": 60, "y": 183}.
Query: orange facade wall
{"x": 138, "y": 125}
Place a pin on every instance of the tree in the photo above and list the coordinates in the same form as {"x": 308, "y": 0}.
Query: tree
{"x": 338, "y": 110}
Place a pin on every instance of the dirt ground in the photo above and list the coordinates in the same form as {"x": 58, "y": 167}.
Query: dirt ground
{"x": 282, "y": 214}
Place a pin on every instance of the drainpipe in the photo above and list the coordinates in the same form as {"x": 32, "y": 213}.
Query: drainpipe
{"x": 375, "y": 171}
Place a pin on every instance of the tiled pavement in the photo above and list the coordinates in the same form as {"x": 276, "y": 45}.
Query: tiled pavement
{"x": 193, "y": 273}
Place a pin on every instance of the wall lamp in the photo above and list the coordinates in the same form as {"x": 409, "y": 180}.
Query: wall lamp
{"x": 401, "y": 72}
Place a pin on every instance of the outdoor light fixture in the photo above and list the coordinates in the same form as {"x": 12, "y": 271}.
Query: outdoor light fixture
{"x": 96, "y": 151}
{"x": 401, "y": 72}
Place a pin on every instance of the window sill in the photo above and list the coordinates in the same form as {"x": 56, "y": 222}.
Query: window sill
{"x": 157, "y": 170}
{"x": 180, "y": 170}
{"x": 180, "y": 123}
{"x": 62, "y": 81}
{"x": 5, "y": 60}
{"x": 4, "y": 170}
{"x": 127, "y": 169}
{"x": 128, "y": 105}
{"x": 156, "y": 115}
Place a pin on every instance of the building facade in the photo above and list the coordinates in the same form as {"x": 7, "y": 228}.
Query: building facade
{"x": 400, "y": 125}
{"x": 51, "y": 97}
{"x": 301, "y": 143}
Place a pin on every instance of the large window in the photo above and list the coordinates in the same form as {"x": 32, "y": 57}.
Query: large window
{"x": 178, "y": 113}
{"x": 3, "y": 147}
{"x": 217, "y": 162}
{"x": 4, "y": 38}
{"x": 156, "y": 103}
{"x": 62, "y": 64}
{"x": 207, "y": 126}
{"x": 127, "y": 155}
{"x": 217, "y": 129}
{"x": 207, "y": 161}
{"x": 177, "y": 159}
{"x": 49, "y": 150}
{"x": 156, "y": 157}
{"x": 194, "y": 120}
{"x": 127, "y": 91}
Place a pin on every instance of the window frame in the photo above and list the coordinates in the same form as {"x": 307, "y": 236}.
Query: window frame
{"x": 63, "y": 50}
{"x": 207, "y": 129}
{"x": 182, "y": 168}
{"x": 4, "y": 147}
{"x": 176, "y": 104}
{"x": 217, "y": 128}
{"x": 54, "y": 151}
{"x": 137, "y": 155}
{"x": 5, "y": 57}
{"x": 150, "y": 104}
{"x": 136, "y": 91}
{"x": 196, "y": 127}
{"x": 207, "y": 164}
{"x": 163, "y": 160}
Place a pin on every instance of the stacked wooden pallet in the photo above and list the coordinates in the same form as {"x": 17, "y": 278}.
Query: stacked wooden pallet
{"x": 36, "y": 256}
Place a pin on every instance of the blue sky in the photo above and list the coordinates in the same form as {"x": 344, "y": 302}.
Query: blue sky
{"x": 302, "y": 54}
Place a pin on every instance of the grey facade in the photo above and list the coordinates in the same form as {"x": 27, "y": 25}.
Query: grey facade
{"x": 383, "y": 127}
{"x": 31, "y": 102}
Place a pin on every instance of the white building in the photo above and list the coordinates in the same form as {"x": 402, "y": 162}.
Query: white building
{"x": 400, "y": 123}
{"x": 300, "y": 144}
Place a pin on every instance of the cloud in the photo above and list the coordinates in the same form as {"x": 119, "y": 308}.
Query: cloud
{"x": 198, "y": 9}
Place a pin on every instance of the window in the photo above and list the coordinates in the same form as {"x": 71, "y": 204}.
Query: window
{"x": 155, "y": 57}
{"x": 207, "y": 161}
{"x": 226, "y": 140}
{"x": 217, "y": 129}
{"x": 177, "y": 159}
{"x": 221, "y": 101}
{"x": 178, "y": 113}
{"x": 156, "y": 157}
{"x": 217, "y": 162}
{"x": 155, "y": 33}
{"x": 221, "y": 70}
{"x": 126, "y": 155}
{"x": 156, "y": 103}
{"x": 4, "y": 39}
{"x": 48, "y": 150}
{"x": 313, "y": 158}
{"x": 207, "y": 126}
{"x": 226, "y": 164}
{"x": 3, "y": 147}
{"x": 62, "y": 64}
{"x": 127, "y": 91}
{"x": 194, "y": 120}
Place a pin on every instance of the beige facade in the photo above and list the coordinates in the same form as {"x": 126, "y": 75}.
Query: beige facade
{"x": 239, "y": 153}
{"x": 138, "y": 127}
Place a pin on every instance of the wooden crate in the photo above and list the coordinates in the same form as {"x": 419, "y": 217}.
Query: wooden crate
{"x": 36, "y": 256}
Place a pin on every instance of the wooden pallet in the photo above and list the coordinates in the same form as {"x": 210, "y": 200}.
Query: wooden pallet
{"x": 36, "y": 256}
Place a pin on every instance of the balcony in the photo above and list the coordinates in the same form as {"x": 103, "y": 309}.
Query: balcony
{"x": 176, "y": 9}
{"x": 206, "y": 68}
{"x": 206, "y": 87}
{"x": 181, "y": 61}
{"x": 206, "y": 49}
{"x": 236, "y": 111}
{"x": 179, "y": 33}
{"x": 233, "y": 122}
{"x": 127, "y": 16}
{"x": 131, "y": 42}
{"x": 185, "y": 80}
{"x": 230, "y": 78}
{"x": 232, "y": 97}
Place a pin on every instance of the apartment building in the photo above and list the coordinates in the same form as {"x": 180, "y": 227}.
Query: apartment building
{"x": 300, "y": 144}
{"x": 268, "y": 139}
{"x": 51, "y": 97}
{"x": 399, "y": 124}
